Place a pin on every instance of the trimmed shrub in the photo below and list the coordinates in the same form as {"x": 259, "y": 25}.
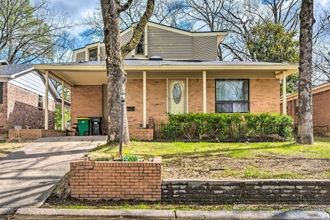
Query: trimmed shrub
{"x": 221, "y": 126}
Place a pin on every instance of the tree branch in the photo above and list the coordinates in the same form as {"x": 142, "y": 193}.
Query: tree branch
{"x": 138, "y": 30}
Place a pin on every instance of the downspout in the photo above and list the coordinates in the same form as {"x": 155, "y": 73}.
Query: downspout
{"x": 46, "y": 100}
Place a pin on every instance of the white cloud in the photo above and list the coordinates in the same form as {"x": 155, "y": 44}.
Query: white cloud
{"x": 322, "y": 3}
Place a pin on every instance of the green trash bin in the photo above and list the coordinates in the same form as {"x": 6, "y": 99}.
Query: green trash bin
{"x": 83, "y": 126}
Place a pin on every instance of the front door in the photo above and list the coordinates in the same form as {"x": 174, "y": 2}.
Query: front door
{"x": 177, "y": 96}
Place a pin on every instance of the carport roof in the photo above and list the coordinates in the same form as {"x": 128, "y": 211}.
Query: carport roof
{"x": 94, "y": 72}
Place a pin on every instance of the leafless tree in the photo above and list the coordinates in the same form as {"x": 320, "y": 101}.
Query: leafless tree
{"x": 29, "y": 30}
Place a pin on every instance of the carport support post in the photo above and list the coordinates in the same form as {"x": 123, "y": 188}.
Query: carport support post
{"x": 284, "y": 92}
{"x": 63, "y": 109}
{"x": 144, "y": 122}
{"x": 46, "y": 100}
{"x": 204, "y": 93}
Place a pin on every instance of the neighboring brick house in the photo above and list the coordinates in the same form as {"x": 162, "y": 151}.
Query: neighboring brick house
{"x": 22, "y": 93}
{"x": 321, "y": 110}
{"x": 173, "y": 71}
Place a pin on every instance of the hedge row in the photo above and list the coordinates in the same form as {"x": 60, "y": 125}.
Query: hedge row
{"x": 215, "y": 126}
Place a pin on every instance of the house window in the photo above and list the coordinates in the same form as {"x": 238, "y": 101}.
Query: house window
{"x": 232, "y": 95}
{"x": 1, "y": 92}
{"x": 40, "y": 102}
{"x": 92, "y": 54}
{"x": 140, "y": 47}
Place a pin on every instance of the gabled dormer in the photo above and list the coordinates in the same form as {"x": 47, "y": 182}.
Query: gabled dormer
{"x": 159, "y": 40}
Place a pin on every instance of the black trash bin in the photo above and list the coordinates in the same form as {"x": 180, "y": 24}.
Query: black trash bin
{"x": 96, "y": 125}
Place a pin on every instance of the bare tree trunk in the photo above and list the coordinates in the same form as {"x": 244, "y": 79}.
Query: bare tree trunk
{"x": 305, "y": 116}
{"x": 115, "y": 53}
{"x": 117, "y": 76}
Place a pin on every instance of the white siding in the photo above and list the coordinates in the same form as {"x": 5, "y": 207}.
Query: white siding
{"x": 31, "y": 82}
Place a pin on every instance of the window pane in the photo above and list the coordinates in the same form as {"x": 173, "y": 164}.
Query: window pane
{"x": 232, "y": 90}
{"x": 232, "y": 107}
{"x": 232, "y": 95}
{"x": 93, "y": 55}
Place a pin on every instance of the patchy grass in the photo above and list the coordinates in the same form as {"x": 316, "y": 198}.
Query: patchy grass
{"x": 176, "y": 207}
{"x": 7, "y": 147}
{"x": 268, "y": 160}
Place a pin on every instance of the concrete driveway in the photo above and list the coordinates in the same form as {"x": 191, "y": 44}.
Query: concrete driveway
{"x": 29, "y": 174}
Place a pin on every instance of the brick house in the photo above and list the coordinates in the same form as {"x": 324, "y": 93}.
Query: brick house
{"x": 174, "y": 71}
{"x": 22, "y": 93}
{"x": 321, "y": 103}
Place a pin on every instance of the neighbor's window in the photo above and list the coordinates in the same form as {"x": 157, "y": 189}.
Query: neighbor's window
{"x": 232, "y": 95}
{"x": 40, "y": 102}
{"x": 140, "y": 46}
{"x": 1, "y": 92}
{"x": 93, "y": 54}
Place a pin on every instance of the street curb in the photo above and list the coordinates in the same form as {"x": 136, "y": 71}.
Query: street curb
{"x": 98, "y": 212}
{"x": 169, "y": 214}
{"x": 254, "y": 215}
{"x": 7, "y": 211}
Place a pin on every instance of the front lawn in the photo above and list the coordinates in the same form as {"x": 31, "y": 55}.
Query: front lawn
{"x": 269, "y": 160}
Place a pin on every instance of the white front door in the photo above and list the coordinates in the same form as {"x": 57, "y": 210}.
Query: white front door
{"x": 177, "y": 96}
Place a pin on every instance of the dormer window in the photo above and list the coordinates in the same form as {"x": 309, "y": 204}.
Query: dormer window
{"x": 140, "y": 46}
{"x": 92, "y": 54}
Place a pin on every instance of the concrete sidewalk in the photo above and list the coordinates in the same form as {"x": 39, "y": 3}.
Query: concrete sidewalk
{"x": 29, "y": 174}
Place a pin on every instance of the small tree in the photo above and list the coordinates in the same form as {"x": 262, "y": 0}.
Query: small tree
{"x": 305, "y": 112}
{"x": 115, "y": 53}
{"x": 272, "y": 43}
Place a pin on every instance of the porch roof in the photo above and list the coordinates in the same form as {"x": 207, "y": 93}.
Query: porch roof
{"x": 94, "y": 72}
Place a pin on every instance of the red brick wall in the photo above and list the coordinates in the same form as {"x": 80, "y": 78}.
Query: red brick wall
{"x": 210, "y": 85}
{"x": 156, "y": 100}
{"x": 3, "y": 107}
{"x": 321, "y": 115}
{"x": 195, "y": 95}
{"x": 34, "y": 134}
{"x": 134, "y": 90}
{"x": 86, "y": 101}
{"x": 264, "y": 95}
{"x": 321, "y": 106}
{"x": 23, "y": 109}
{"x": 96, "y": 180}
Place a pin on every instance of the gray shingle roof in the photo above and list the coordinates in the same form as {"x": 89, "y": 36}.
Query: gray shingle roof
{"x": 11, "y": 69}
{"x": 137, "y": 62}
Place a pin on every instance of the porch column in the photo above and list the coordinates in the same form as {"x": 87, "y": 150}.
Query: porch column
{"x": 144, "y": 122}
{"x": 63, "y": 108}
{"x": 284, "y": 92}
{"x": 46, "y": 99}
{"x": 204, "y": 93}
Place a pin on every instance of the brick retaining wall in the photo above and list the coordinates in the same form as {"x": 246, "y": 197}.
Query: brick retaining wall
{"x": 246, "y": 191}
{"x": 96, "y": 180}
{"x": 33, "y": 134}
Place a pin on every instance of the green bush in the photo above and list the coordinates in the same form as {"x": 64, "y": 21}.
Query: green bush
{"x": 219, "y": 126}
